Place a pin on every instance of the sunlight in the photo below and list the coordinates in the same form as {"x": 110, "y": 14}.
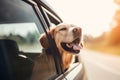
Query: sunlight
{"x": 94, "y": 16}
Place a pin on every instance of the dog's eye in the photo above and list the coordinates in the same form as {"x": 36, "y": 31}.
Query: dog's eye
{"x": 63, "y": 29}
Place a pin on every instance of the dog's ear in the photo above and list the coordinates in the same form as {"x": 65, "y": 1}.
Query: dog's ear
{"x": 44, "y": 40}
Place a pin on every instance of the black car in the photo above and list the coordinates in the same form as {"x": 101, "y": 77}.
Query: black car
{"x": 21, "y": 24}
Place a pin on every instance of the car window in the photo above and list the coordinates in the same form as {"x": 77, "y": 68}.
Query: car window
{"x": 19, "y": 23}
{"x": 25, "y": 34}
{"x": 20, "y": 27}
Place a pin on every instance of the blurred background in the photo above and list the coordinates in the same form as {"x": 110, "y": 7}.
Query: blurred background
{"x": 100, "y": 22}
{"x": 99, "y": 19}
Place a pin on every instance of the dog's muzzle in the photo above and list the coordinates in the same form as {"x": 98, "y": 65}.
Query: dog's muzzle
{"x": 73, "y": 47}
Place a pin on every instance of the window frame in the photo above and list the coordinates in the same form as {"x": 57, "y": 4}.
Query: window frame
{"x": 49, "y": 16}
{"x": 45, "y": 21}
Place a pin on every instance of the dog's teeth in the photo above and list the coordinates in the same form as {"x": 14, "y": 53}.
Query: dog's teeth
{"x": 69, "y": 45}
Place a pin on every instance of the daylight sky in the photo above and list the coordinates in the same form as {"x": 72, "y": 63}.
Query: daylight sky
{"x": 94, "y": 16}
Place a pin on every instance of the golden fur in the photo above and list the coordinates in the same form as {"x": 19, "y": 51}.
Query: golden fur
{"x": 63, "y": 33}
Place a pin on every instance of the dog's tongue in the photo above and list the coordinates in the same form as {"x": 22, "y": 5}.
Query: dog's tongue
{"x": 74, "y": 46}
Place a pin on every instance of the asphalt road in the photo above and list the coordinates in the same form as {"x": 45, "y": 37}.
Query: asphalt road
{"x": 101, "y": 66}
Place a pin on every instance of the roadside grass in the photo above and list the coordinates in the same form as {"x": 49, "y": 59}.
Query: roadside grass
{"x": 103, "y": 47}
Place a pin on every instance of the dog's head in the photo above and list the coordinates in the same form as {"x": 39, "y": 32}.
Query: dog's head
{"x": 66, "y": 36}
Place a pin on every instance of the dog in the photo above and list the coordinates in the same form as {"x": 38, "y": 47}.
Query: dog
{"x": 68, "y": 41}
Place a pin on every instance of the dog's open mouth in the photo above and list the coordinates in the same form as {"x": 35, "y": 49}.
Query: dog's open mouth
{"x": 73, "y": 47}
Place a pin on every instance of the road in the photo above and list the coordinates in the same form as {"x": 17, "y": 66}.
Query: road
{"x": 101, "y": 66}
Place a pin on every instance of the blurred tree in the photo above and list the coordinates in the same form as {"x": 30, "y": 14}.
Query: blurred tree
{"x": 114, "y": 35}
{"x": 117, "y": 2}
{"x": 32, "y": 37}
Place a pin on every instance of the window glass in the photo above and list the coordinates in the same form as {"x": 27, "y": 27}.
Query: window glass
{"x": 19, "y": 22}
{"x": 25, "y": 34}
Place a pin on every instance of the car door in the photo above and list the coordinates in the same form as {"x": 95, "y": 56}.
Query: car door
{"x": 21, "y": 55}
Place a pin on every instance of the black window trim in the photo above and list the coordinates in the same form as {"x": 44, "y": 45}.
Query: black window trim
{"x": 49, "y": 8}
{"x": 53, "y": 47}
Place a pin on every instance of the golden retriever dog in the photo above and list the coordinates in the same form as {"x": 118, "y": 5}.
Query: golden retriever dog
{"x": 68, "y": 41}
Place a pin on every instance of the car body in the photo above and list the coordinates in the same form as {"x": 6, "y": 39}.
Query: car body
{"x": 21, "y": 24}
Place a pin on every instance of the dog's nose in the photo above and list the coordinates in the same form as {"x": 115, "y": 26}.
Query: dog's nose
{"x": 77, "y": 30}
